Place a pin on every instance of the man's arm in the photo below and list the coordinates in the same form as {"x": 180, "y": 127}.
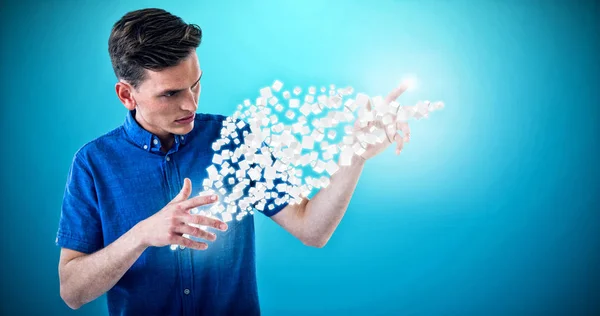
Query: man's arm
{"x": 84, "y": 277}
{"x": 314, "y": 221}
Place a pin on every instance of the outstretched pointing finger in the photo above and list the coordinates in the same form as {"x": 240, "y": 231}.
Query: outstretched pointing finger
{"x": 198, "y": 201}
{"x": 396, "y": 92}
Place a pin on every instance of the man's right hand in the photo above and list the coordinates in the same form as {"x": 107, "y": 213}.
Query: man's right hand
{"x": 168, "y": 226}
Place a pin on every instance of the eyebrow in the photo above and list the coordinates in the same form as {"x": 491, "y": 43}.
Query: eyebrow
{"x": 178, "y": 90}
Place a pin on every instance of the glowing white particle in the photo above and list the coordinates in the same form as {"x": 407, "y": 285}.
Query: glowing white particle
{"x": 331, "y": 167}
{"x": 277, "y": 85}
{"x": 226, "y": 217}
{"x": 271, "y": 150}
{"x": 294, "y": 103}
{"x": 290, "y": 114}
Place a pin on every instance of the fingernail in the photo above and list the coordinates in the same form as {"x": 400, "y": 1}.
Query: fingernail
{"x": 223, "y": 226}
{"x": 213, "y": 198}
{"x": 213, "y": 237}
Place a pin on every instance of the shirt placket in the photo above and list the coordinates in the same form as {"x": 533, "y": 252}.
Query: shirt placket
{"x": 185, "y": 264}
{"x": 184, "y": 261}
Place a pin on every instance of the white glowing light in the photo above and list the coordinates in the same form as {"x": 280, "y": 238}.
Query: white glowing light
{"x": 284, "y": 132}
{"x": 410, "y": 82}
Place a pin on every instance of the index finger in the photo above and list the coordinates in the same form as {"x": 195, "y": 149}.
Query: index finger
{"x": 396, "y": 92}
{"x": 198, "y": 201}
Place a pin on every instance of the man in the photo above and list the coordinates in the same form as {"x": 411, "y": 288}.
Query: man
{"x": 128, "y": 192}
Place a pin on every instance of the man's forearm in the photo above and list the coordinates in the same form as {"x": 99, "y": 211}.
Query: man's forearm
{"x": 325, "y": 210}
{"x": 85, "y": 278}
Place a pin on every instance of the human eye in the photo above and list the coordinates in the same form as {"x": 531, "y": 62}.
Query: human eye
{"x": 170, "y": 94}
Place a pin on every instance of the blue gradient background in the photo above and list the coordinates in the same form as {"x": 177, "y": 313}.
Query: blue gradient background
{"x": 492, "y": 209}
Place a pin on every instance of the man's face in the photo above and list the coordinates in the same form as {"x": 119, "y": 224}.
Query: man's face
{"x": 167, "y": 100}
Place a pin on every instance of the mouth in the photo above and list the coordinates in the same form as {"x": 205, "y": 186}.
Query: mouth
{"x": 185, "y": 120}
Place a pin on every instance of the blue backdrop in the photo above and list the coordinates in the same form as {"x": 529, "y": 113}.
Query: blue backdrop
{"x": 492, "y": 209}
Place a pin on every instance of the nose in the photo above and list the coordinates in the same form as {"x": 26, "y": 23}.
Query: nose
{"x": 190, "y": 102}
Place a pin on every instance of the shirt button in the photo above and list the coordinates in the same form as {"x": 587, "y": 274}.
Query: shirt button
{"x": 155, "y": 141}
{"x": 186, "y": 291}
{"x": 181, "y": 137}
{"x": 145, "y": 146}
{"x": 168, "y": 158}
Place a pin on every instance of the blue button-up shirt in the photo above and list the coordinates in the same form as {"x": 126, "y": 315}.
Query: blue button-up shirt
{"x": 122, "y": 178}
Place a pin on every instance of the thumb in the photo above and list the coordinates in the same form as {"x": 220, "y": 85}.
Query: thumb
{"x": 185, "y": 192}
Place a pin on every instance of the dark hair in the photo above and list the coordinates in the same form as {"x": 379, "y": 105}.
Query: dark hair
{"x": 151, "y": 39}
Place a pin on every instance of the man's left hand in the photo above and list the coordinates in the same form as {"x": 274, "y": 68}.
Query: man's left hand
{"x": 392, "y": 130}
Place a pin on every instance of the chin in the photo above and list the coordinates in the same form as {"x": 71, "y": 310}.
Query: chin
{"x": 182, "y": 130}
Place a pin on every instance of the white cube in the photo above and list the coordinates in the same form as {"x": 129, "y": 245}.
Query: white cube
{"x": 331, "y": 167}
{"x": 266, "y": 92}
{"x": 226, "y": 217}
{"x": 331, "y": 134}
{"x": 217, "y": 159}
{"x": 277, "y": 85}
{"x": 294, "y": 103}
{"x": 308, "y": 142}
{"x": 290, "y": 114}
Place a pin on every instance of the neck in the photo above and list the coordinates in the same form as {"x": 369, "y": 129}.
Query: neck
{"x": 166, "y": 142}
{"x": 166, "y": 139}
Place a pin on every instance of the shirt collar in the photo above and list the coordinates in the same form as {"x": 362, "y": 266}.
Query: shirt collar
{"x": 146, "y": 140}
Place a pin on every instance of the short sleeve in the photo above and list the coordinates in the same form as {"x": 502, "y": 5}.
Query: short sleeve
{"x": 277, "y": 208}
{"x": 80, "y": 227}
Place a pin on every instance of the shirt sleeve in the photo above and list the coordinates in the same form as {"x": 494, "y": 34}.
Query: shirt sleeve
{"x": 271, "y": 201}
{"x": 277, "y": 208}
{"x": 80, "y": 227}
